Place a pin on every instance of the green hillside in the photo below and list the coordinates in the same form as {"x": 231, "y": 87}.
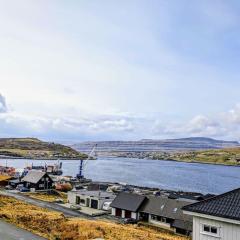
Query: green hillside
{"x": 228, "y": 156}
{"x": 37, "y": 149}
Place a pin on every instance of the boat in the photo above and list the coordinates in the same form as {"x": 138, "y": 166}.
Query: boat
{"x": 54, "y": 169}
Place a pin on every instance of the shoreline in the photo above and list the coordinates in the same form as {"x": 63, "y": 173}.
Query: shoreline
{"x": 44, "y": 159}
{"x": 174, "y": 160}
{"x": 68, "y": 159}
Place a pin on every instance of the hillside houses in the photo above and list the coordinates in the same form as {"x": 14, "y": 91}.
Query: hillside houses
{"x": 157, "y": 211}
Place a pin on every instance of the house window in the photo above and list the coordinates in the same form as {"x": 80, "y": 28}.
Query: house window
{"x": 159, "y": 218}
{"x": 212, "y": 230}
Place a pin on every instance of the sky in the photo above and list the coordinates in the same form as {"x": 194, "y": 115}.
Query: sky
{"x": 119, "y": 70}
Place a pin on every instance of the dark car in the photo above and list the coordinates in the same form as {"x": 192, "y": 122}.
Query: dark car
{"x": 130, "y": 221}
{"x": 23, "y": 189}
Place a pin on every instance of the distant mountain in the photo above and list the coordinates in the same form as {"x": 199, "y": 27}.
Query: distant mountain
{"x": 135, "y": 148}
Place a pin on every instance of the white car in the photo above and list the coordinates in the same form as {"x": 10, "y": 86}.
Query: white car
{"x": 75, "y": 207}
{"x": 107, "y": 206}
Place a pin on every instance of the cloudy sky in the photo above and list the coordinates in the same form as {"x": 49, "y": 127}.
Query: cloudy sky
{"x": 92, "y": 70}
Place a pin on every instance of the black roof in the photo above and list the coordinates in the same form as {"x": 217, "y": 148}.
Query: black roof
{"x": 226, "y": 205}
{"x": 128, "y": 201}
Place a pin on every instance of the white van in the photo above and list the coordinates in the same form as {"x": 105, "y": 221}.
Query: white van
{"x": 106, "y": 206}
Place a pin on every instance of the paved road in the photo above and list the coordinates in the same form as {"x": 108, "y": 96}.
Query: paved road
{"x": 52, "y": 206}
{"x": 11, "y": 232}
{"x": 56, "y": 207}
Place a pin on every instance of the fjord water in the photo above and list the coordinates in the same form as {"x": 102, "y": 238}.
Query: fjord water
{"x": 172, "y": 175}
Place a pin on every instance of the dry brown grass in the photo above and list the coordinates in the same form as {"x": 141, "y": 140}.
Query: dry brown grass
{"x": 55, "y": 226}
{"x": 47, "y": 197}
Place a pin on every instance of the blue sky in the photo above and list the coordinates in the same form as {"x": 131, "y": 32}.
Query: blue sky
{"x": 93, "y": 70}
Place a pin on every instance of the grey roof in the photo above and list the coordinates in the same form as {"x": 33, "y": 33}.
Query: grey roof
{"x": 33, "y": 176}
{"x": 100, "y": 194}
{"x": 165, "y": 207}
{"x": 226, "y": 205}
{"x": 187, "y": 225}
{"x": 128, "y": 201}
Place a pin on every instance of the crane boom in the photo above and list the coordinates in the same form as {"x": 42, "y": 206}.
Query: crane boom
{"x": 83, "y": 164}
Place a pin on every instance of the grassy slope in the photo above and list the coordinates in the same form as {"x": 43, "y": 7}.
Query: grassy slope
{"x": 36, "y": 149}
{"x": 228, "y": 156}
{"x": 53, "y": 225}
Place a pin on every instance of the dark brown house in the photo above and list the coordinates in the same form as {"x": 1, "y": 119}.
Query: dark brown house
{"x": 37, "y": 180}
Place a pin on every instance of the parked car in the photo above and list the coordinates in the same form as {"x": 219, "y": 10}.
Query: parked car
{"x": 59, "y": 200}
{"x": 23, "y": 189}
{"x": 9, "y": 187}
{"x": 130, "y": 221}
{"x": 75, "y": 207}
{"x": 107, "y": 206}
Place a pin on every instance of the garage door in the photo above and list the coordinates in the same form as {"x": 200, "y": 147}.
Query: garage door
{"x": 127, "y": 214}
{"x": 94, "y": 204}
{"x": 118, "y": 212}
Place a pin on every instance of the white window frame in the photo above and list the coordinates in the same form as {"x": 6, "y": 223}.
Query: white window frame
{"x": 216, "y": 235}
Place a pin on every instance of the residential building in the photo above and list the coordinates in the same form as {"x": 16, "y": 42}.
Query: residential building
{"x": 167, "y": 213}
{"x": 37, "y": 180}
{"x": 92, "y": 199}
{"x": 126, "y": 205}
{"x": 216, "y": 218}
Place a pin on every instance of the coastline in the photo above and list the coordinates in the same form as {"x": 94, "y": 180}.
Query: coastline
{"x": 34, "y": 158}
{"x": 109, "y": 156}
{"x": 175, "y": 160}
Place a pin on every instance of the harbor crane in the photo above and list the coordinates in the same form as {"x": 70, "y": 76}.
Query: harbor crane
{"x": 84, "y": 162}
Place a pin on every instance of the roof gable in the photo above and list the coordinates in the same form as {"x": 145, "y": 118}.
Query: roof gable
{"x": 34, "y": 176}
{"x": 226, "y": 205}
{"x": 128, "y": 201}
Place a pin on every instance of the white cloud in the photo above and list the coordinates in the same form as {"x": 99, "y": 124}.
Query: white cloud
{"x": 3, "y": 104}
{"x": 223, "y": 125}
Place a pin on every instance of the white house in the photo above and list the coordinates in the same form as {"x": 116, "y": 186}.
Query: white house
{"x": 216, "y": 218}
{"x": 92, "y": 199}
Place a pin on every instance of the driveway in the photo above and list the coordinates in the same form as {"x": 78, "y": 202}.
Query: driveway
{"x": 11, "y": 232}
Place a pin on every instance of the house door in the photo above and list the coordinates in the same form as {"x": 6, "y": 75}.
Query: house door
{"x": 88, "y": 202}
{"x": 77, "y": 200}
{"x": 144, "y": 216}
{"x": 118, "y": 212}
{"x": 128, "y": 214}
{"x": 94, "y": 204}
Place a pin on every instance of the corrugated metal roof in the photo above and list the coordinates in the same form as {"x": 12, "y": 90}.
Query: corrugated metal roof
{"x": 33, "y": 176}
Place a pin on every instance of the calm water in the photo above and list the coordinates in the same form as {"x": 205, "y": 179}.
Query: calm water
{"x": 163, "y": 174}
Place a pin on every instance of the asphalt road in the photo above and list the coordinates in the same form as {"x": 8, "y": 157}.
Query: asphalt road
{"x": 11, "y": 232}
{"x": 52, "y": 206}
